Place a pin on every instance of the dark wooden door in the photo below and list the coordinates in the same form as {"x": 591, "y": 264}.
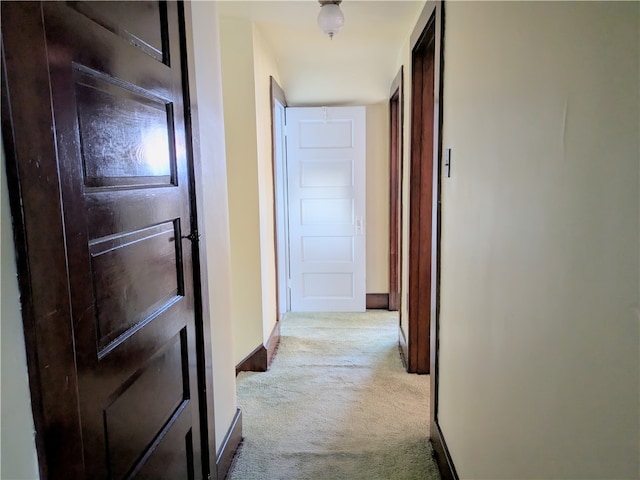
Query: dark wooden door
{"x": 116, "y": 109}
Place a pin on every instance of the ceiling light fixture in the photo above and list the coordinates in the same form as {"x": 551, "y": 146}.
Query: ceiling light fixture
{"x": 330, "y": 18}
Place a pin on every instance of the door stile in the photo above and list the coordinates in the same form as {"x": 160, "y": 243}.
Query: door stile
{"x": 36, "y": 205}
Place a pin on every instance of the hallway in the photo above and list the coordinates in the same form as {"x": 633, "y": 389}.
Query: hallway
{"x": 335, "y": 404}
{"x": 113, "y": 111}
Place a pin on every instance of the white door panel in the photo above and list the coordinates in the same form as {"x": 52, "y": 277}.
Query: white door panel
{"x": 326, "y": 174}
{"x": 326, "y": 187}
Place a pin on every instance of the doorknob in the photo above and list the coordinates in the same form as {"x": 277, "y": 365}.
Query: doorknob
{"x": 193, "y": 236}
{"x": 359, "y": 225}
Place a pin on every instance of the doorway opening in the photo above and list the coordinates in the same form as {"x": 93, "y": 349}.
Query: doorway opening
{"x": 396, "y": 117}
{"x": 319, "y": 188}
{"x": 280, "y": 201}
{"x": 422, "y": 177}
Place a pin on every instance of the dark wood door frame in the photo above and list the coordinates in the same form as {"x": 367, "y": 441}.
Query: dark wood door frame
{"x": 427, "y": 40}
{"x": 38, "y": 224}
{"x": 421, "y": 198}
{"x": 217, "y": 467}
{"x": 396, "y": 120}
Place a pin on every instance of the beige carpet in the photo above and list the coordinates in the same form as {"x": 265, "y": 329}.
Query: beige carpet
{"x": 336, "y": 404}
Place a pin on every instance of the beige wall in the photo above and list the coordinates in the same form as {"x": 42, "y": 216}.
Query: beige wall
{"x": 377, "y": 231}
{"x": 539, "y": 372}
{"x": 247, "y": 64}
{"x": 18, "y": 452}
{"x": 264, "y": 67}
{"x": 238, "y": 86}
{"x": 404, "y": 61}
{"x": 213, "y": 208}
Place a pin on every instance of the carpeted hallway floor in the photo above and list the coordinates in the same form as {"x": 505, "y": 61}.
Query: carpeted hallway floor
{"x": 336, "y": 404}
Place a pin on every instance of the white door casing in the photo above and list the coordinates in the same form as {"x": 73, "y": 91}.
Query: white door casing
{"x": 282, "y": 220}
{"x": 326, "y": 156}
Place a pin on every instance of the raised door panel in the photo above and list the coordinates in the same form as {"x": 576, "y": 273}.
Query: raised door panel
{"x": 126, "y": 138}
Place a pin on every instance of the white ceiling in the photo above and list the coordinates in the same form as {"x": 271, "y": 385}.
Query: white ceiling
{"x": 356, "y": 67}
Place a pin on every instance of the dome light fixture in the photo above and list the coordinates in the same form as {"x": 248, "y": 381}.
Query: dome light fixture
{"x": 330, "y": 18}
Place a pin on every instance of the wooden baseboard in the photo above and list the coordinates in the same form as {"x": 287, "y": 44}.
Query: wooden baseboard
{"x": 256, "y": 361}
{"x": 232, "y": 440}
{"x": 377, "y": 301}
{"x": 441, "y": 453}
{"x": 404, "y": 348}
{"x": 260, "y": 359}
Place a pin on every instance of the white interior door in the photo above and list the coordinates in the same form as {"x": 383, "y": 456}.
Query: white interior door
{"x": 326, "y": 156}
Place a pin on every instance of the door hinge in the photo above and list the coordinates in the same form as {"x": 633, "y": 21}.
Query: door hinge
{"x": 193, "y": 236}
